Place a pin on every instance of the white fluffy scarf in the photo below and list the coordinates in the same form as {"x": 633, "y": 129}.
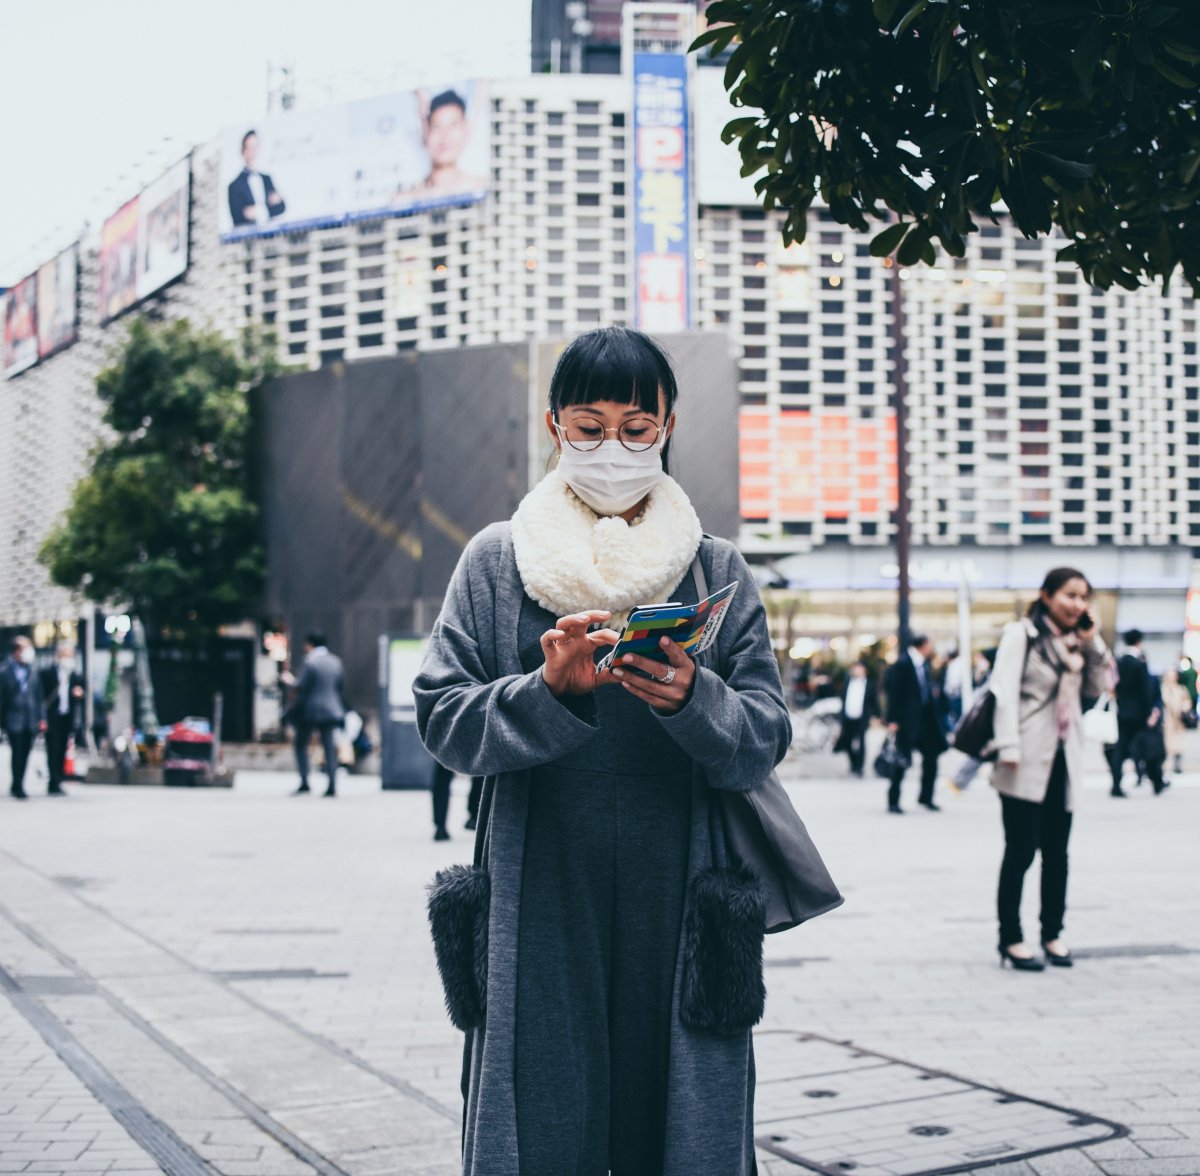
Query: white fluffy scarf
{"x": 571, "y": 559}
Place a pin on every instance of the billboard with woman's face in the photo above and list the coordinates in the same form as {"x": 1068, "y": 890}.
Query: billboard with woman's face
{"x": 362, "y": 160}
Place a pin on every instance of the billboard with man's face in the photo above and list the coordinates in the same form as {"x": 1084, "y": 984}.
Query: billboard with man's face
{"x": 144, "y": 244}
{"x": 362, "y": 160}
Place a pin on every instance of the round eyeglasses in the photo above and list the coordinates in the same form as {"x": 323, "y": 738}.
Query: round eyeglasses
{"x": 584, "y": 433}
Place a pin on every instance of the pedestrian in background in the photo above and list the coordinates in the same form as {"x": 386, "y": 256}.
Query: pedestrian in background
{"x": 320, "y": 706}
{"x": 1176, "y": 705}
{"x": 860, "y": 704}
{"x": 1137, "y": 711}
{"x": 914, "y": 719}
{"x": 63, "y": 690}
{"x": 1044, "y": 664}
{"x": 22, "y": 714}
{"x": 953, "y": 681}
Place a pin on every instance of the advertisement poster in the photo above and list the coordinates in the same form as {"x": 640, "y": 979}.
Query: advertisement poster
{"x": 663, "y": 197}
{"x": 118, "y": 261}
{"x": 163, "y": 230}
{"x": 57, "y": 302}
{"x": 20, "y": 327}
{"x": 144, "y": 244}
{"x": 376, "y": 157}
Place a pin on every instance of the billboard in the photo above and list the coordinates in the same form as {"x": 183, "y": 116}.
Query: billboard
{"x": 57, "y": 302}
{"x": 376, "y": 157}
{"x": 662, "y": 188}
{"x": 20, "y": 327}
{"x": 804, "y": 465}
{"x": 144, "y": 244}
{"x": 719, "y": 179}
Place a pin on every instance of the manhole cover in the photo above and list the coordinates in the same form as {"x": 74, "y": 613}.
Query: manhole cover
{"x": 893, "y": 1118}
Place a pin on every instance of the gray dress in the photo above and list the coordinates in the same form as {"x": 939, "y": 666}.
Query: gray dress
{"x": 482, "y": 709}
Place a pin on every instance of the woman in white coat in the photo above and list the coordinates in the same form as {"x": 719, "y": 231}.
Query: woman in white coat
{"x": 1044, "y": 664}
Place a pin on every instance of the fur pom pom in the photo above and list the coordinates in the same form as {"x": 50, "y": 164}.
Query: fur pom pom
{"x": 459, "y": 899}
{"x": 723, "y": 990}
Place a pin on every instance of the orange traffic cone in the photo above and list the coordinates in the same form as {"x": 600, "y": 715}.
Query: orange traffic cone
{"x": 69, "y": 761}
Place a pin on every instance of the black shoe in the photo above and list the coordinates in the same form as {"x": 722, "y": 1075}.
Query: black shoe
{"x": 441, "y": 834}
{"x": 1159, "y": 789}
{"x": 330, "y": 791}
{"x": 471, "y": 824}
{"x": 933, "y": 808}
{"x": 56, "y": 790}
{"x": 302, "y": 790}
{"x": 18, "y": 794}
{"x": 1119, "y": 792}
{"x": 1021, "y": 965}
{"x": 1058, "y": 959}
{"x": 894, "y": 808}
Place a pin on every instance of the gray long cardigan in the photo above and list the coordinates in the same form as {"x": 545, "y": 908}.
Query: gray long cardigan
{"x": 481, "y": 714}
{"x": 1026, "y": 722}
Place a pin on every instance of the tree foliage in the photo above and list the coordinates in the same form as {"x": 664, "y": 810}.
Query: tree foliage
{"x": 1077, "y": 114}
{"x": 166, "y": 518}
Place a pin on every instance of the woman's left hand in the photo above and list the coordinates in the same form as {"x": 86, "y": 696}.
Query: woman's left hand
{"x": 662, "y": 695}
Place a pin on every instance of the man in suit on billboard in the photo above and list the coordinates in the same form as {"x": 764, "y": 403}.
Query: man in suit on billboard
{"x": 63, "y": 690}
{"x": 21, "y": 716}
{"x": 253, "y": 199}
{"x": 319, "y": 706}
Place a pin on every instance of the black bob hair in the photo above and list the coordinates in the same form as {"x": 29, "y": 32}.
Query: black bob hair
{"x": 617, "y": 364}
{"x": 445, "y": 98}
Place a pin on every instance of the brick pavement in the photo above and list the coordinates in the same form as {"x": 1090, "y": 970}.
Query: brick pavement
{"x": 254, "y": 972}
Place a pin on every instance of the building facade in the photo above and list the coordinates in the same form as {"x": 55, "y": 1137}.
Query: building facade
{"x": 1041, "y": 411}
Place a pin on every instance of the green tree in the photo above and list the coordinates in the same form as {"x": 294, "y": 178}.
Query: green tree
{"x": 1079, "y": 114}
{"x": 167, "y": 517}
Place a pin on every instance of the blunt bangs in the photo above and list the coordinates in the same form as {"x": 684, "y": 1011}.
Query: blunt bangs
{"x": 613, "y": 363}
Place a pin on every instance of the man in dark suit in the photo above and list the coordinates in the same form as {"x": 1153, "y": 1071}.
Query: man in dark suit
{"x": 319, "y": 706}
{"x": 860, "y": 704}
{"x": 21, "y": 711}
{"x": 913, "y": 718}
{"x": 63, "y": 692}
{"x": 1136, "y": 710}
{"x": 253, "y": 199}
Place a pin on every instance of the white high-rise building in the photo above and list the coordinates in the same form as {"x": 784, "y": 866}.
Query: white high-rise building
{"x": 1041, "y": 411}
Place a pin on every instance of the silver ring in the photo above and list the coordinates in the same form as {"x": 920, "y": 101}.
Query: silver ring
{"x": 670, "y": 676}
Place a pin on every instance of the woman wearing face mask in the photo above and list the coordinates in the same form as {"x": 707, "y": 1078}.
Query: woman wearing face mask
{"x": 596, "y": 807}
{"x": 1044, "y": 664}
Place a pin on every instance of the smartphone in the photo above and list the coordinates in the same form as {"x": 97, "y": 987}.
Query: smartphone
{"x": 1085, "y": 621}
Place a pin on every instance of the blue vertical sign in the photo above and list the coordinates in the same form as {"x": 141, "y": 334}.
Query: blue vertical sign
{"x": 662, "y": 193}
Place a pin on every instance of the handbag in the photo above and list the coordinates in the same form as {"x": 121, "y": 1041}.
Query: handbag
{"x": 764, "y": 833}
{"x": 977, "y": 728}
{"x": 1100, "y": 723}
{"x": 891, "y": 760}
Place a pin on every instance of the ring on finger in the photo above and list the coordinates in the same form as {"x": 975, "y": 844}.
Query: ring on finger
{"x": 669, "y": 677}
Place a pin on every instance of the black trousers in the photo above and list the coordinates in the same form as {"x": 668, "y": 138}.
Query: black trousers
{"x": 303, "y": 735}
{"x": 58, "y": 734}
{"x": 1029, "y": 827}
{"x": 441, "y": 795}
{"x": 929, "y": 760}
{"x": 854, "y": 737}
{"x": 22, "y": 744}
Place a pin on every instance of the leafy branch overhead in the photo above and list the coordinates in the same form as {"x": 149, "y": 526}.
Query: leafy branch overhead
{"x": 166, "y": 517}
{"x": 1079, "y": 115}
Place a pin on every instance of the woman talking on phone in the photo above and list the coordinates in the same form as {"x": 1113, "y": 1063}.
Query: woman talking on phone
{"x": 1044, "y": 664}
{"x": 596, "y": 813}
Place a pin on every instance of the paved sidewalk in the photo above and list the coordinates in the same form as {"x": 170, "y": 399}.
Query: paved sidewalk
{"x": 242, "y": 981}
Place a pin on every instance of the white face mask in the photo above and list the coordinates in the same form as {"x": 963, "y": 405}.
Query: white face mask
{"x": 610, "y": 478}
{"x": 28, "y": 656}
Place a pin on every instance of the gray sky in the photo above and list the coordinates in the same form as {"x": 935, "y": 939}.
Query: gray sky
{"x": 100, "y": 95}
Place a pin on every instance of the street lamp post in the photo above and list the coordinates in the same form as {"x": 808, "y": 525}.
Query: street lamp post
{"x": 900, "y": 407}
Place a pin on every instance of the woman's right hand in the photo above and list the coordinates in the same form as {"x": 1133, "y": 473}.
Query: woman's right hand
{"x": 569, "y": 649}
